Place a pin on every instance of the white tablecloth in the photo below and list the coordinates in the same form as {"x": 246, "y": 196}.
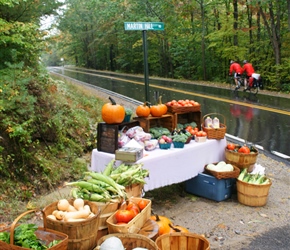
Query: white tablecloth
{"x": 170, "y": 166}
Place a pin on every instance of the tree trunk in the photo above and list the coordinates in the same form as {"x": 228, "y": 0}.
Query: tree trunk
{"x": 203, "y": 40}
{"x": 249, "y": 15}
{"x": 236, "y": 17}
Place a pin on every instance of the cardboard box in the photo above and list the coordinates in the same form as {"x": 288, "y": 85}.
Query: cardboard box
{"x": 165, "y": 121}
{"x": 107, "y": 136}
{"x": 200, "y": 138}
{"x": 209, "y": 187}
{"x": 129, "y": 154}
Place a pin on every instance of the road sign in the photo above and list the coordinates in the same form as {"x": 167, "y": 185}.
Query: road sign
{"x": 144, "y": 26}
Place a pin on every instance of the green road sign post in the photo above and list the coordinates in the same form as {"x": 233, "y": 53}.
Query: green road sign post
{"x": 144, "y": 26}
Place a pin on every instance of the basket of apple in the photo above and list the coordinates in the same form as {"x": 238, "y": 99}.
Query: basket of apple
{"x": 200, "y": 136}
{"x": 164, "y": 142}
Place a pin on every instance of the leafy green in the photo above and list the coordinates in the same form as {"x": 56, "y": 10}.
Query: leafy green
{"x": 24, "y": 236}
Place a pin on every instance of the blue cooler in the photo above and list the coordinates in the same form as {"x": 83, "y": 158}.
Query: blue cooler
{"x": 209, "y": 187}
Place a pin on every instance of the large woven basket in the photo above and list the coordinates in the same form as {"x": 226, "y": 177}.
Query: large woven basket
{"x": 223, "y": 175}
{"x": 181, "y": 109}
{"x": 254, "y": 195}
{"x": 215, "y": 133}
{"x": 82, "y": 235}
{"x": 44, "y": 234}
{"x": 182, "y": 241}
{"x": 131, "y": 241}
{"x": 239, "y": 159}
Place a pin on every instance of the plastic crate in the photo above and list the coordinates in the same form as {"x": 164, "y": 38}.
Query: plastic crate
{"x": 209, "y": 187}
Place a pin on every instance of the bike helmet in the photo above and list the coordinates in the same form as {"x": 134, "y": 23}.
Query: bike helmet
{"x": 245, "y": 61}
{"x": 232, "y": 61}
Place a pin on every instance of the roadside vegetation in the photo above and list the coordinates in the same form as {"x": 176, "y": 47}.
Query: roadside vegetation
{"x": 47, "y": 126}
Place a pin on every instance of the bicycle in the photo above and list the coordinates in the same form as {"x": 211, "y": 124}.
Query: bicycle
{"x": 241, "y": 83}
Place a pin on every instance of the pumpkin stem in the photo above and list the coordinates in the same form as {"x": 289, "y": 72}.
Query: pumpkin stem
{"x": 160, "y": 99}
{"x": 112, "y": 100}
{"x": 175, "y": 228}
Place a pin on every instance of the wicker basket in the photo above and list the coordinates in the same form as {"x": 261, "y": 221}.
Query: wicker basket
{"x": 44, "y": 234}
{"x": 254, "y": 195}
{"x": 182, "y": 241}
{"x": 241, "y": 160}
{"x": 82, "y": 235}
{"x": 131, "y": 241}
{"x": 177, "y": 109}
{"x": 223, "y": 175}
{"x": 215, "y": 133}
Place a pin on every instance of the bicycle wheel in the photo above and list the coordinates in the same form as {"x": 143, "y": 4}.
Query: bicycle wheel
{"x": 254, "y": 90}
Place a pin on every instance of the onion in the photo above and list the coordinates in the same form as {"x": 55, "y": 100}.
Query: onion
{"x": 112, "y": 243}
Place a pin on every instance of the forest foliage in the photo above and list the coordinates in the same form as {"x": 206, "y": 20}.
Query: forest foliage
{"x": 46, "y": 125}
{"x": 198, "y": 42}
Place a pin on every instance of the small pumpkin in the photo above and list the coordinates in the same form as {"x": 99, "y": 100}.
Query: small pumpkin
{"x": 159, "y": 109}
{"x": 143, "y": 110}
{"x": 163, "y": 223}
{"x": 113, "y": 112}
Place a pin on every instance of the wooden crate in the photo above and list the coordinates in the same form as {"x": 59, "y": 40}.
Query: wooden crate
{"x": 107, "y": 136}
{"x": 165, "y": 121}
{"x": 188, "y": 117}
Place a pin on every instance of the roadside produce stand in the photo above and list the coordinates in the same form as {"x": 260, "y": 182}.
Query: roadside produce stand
{"x": 171, "y": 145}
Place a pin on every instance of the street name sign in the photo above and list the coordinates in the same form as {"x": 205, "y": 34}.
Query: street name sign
{"x": 144, "y": 26}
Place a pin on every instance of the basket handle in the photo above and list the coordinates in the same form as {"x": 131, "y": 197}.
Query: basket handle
{"x": 15, "y": 222}
{"x": 224, "y": 119}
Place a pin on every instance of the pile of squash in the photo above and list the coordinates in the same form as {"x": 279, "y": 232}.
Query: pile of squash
{"x": 71, "y": 213}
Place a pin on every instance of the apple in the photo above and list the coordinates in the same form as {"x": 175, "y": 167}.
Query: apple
{"x": 169, "y": 140}
{"x": 162, "y": 141}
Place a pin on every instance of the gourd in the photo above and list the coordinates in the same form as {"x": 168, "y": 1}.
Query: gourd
{"x": 143, "y": 110}
{"x": 159, "y": 109}
{"x": 63, "y": 205}
{"x": 79, "y": 204}
{"x": 112, "y": 243}
{"x": 112, "y": 112}
{"x": 82, "y": 214}
{"x": 163, "y": 223}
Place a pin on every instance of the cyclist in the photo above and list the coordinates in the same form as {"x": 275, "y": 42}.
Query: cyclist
{"x": 249, "y": 70}
{"x": 237, "y": 70}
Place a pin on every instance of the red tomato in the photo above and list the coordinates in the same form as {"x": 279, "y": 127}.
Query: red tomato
{"x": 231, "y": 146}
{"x": 134, "y": 208}
{"x": 203, "y": 133}
{"x": 124, "y": 215}
{"x": 244, "y": 150}
{"x": 196, "y": 128}
{"x": 142, "y": 204}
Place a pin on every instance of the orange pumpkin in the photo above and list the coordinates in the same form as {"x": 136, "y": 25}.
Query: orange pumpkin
{"x": 159, "y": 109}
{"x": 112, "y": 112}
{"x": 143, "y": 110}
{"x": 163, "y": 223}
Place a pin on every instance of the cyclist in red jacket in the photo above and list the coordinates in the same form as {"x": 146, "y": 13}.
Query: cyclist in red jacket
{"x": 249, "y": 70}
{"x": 237, "y": 70}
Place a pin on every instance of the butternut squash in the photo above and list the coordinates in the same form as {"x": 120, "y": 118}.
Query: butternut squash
{"x": 51, "y": 216}
{"x": 79, "y": 204}
{"x": 63, "y": 205}
{"x": 82, "y": 214}
{"x": 59, "y": 214}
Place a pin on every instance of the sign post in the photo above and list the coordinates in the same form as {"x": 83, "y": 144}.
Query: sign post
{"x": 144, "y": 26}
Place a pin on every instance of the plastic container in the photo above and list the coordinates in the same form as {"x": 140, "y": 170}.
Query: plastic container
{"x": 208, "y": 122}
{"x": 216, "y": 122}
{"x": 178, "y": 144}
{"x": 210, "y": 187}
